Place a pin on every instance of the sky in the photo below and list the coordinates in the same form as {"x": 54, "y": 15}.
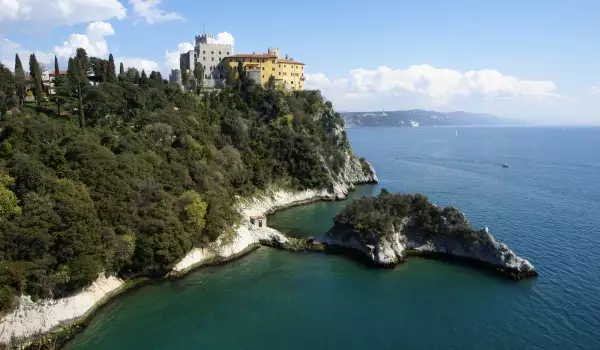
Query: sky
{"x": 534, "y": 60}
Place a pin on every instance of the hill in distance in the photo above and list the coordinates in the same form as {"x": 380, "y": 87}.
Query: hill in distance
{"x": 419, "y": 117}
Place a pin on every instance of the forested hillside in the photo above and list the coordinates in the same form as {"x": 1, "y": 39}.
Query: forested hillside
{"x": 127, "y": 176}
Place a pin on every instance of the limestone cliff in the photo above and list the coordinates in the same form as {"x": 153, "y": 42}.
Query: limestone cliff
{"x": 453, "y": 239}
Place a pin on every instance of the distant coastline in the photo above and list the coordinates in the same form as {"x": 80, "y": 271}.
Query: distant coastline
{"x": 422, "y": 118}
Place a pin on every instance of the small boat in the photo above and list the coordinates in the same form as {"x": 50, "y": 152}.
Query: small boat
{"x": 397, "y": 157}
{"x": 505, "y": 165}
{"x": 456, "y": 132}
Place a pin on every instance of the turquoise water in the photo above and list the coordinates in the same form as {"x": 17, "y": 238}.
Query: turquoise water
{"x": 545, "y": 206}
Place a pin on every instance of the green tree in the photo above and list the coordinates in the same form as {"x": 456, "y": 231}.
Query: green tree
{"x": 144, "y": 78}
{"x": 199, "y": 77}
{"x": 57, "y": 85}
{"x": 20, "y": 79}
{"x": 185, "y": 76}
{"x": 122, "y": 75}
{"x": 112, "y": 74}
{"x": 9, "y": 204}
{"x": 7, "y": 89}
{"x": 83, "y": 61}
{"x": 36, "y": 76}
{"x": 78, "y": 78}
{"x": 230, "y": 78}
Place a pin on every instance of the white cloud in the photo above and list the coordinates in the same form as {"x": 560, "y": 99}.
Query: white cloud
{"x": 151, "y": 13}
{"x": 93, "y": 41}
{"x": 594, "y": 91}
{"x": 60, "y": 12}
{"x": 139, "y": 63}
{"x": 440, "y": 86}
{"x": 222, "y": 38}
{"x": 9, "y": 48}
{"x": 428, "y": 87}
{"x": 172, "y": 58}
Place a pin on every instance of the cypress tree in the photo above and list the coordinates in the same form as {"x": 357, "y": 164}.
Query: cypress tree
{"x": 36, "y": 75}
{"x": 143, "y": 78}
{"x": 57, "y": 78}
{"x": 112, "y": 74}
{"x": 19, "y": 79}
{"x": 122, "y": 75}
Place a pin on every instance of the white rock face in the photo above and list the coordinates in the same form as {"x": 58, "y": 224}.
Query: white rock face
{"x": 32, "y": 318}
{"x": 246, "y": 236}
{"x": 481, "y": 246}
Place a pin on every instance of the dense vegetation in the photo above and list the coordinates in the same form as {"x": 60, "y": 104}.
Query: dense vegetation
{"x": 127, "y": 175}
{"x": 371, "y": 218}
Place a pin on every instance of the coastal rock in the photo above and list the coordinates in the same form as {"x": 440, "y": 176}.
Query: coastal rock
{"x": 245, "y": 236}
{"x": 32, "y": 318}
{"x": 476, "y": 246}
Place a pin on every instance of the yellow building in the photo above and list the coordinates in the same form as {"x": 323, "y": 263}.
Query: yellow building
{"x": 260, "y": 67}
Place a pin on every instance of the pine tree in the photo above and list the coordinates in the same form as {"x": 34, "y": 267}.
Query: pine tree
{"x": 78, "y": 79}
{"x": 84, "y": 61}
{"x": 143, "y": 78}
{"x": 20, "y": 79}
{"x": 199, "y": 76}
{"x": 57, "y": 85}
{"x": 112, "y": 74}
{"x": 185, "y": 77}
{"x": 36, "y": 75}
{"x": 122, "y": 75}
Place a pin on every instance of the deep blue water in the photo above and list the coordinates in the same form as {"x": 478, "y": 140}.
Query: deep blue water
{"x": 545, "y": 206}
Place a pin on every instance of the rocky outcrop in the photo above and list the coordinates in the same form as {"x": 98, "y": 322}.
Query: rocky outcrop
{"x": 32, "y": 318}
{"x": 406, "y": 239}
{"x": 246, "y": 238}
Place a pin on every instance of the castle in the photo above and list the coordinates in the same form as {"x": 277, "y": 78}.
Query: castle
{"x": 216, "y": 57}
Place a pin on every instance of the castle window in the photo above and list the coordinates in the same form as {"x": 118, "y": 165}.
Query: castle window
{"x": 263, "y": 76}
{"x": 279, "y": 65}
{"x": 203, "y": 58}
{"x": 212, "y": 58}
{"x": 204, "y": 52}
{"x": 212, "y": 52}
{"x": 273, "y": 61}
{"x": 263, "y": 68}
{"x": 219, "y": 52}
{"x": 279, "y": 73}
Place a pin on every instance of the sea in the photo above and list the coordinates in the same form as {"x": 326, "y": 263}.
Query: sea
{"x": 545, "y": 206}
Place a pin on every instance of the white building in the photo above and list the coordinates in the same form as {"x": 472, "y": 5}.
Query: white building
{"x": 210, "y": 54}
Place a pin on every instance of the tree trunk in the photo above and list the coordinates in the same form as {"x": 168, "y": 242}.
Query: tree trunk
{"x": 81, "y": 116}
{"x": 58, "y": 106}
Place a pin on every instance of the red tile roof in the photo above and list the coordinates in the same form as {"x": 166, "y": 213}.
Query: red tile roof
{"x": 60, "y": 72}
{"x": 264, "y": 55}
{"x": 284, "y": 60}
{"x": 252, "y": 55}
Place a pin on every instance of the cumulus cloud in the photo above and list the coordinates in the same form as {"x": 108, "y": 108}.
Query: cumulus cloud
{"x": 222, "y": 38}
{"x": 437, "y": 86}
{"x": 139, "y": 63}
{"x": 60, "y": 12}
{"x": 151, "y": 13}
{"x": 172, "y": 57}
{"x": 9, "y": 48}
{"x": 93, "y": 41}
{"x": 594, "y": 91}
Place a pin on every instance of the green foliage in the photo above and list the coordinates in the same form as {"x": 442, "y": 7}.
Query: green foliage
{"x": 36, "y": 75}
{"x": 372, "y": 218}
{"x": 7, "y": 90}
{"x": 111, "y": 69}
{"x": 154, "y": 172}
{"x": 9, "y": 204}
{"x": 19, "y": 79}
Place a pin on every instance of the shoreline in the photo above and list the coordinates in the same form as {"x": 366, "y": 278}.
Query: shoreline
{"x": 58, "y": 331}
